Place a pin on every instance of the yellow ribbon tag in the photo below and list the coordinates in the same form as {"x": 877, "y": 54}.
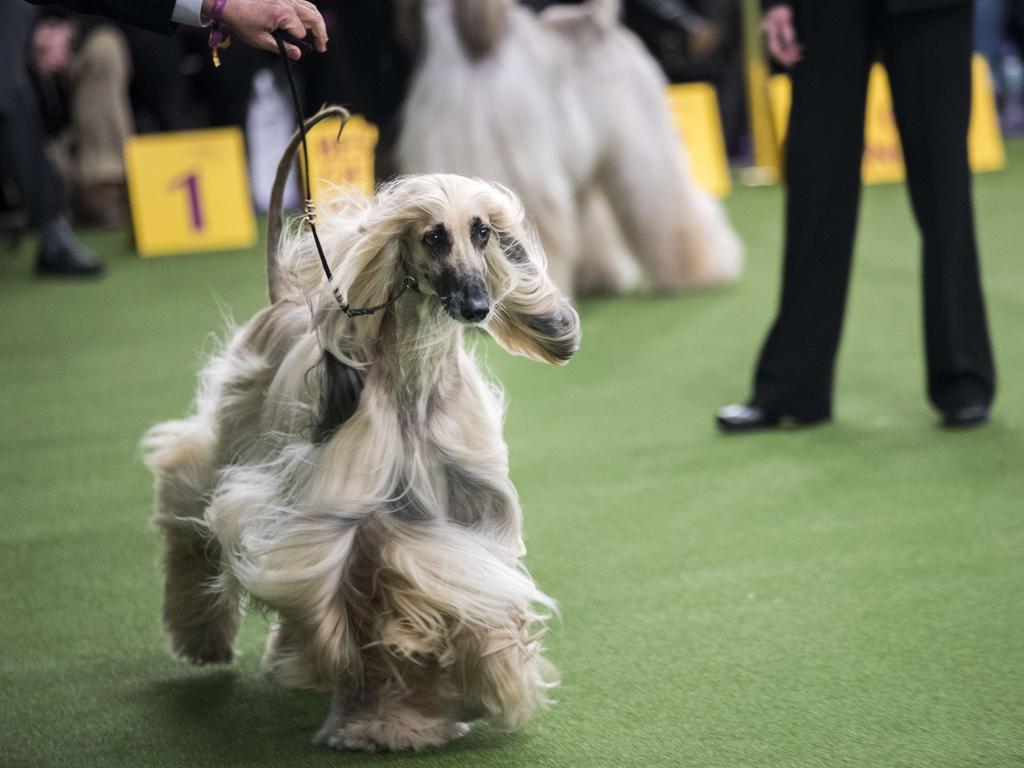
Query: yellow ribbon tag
{"x": 215, "y": 50}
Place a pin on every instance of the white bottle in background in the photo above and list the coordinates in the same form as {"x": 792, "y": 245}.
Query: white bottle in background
{"x": 269, "y": 125}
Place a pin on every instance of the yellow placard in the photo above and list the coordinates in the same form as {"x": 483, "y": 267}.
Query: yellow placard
{"x": 342, "y": 162}
{"x": 189, "y": 191}
{"x": 883, "y": 153}
{"x": 882, "y": 161}
{"x": 694, "y": 108}
{"x": 985, "y": 138}
{"x": 780, "y": 95}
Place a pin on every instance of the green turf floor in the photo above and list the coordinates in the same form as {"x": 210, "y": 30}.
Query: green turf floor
{"x": 851, "y": 595}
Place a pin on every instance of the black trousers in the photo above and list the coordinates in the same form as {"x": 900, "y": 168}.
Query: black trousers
{"x": 21, "y": 130}
{"x": 928, "y": 58}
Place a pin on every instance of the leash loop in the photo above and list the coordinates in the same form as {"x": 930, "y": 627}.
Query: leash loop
{"x": 280, "y": 37}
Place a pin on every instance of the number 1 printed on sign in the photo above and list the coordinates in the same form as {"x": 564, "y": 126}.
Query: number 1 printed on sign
{"x": 191, "y": 184}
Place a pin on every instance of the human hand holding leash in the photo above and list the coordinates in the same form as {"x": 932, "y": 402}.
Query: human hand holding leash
{"x": 255, "y": 21}
{"x": 780, "y": 35}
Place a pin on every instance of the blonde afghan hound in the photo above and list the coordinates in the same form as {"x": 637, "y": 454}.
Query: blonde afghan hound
{"x": 349, "y": 473}
{"x": 568, "y": 109}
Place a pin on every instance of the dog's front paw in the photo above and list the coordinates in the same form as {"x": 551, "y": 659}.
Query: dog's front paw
{"x": 393, "y": 734}
{"x": 204, "y": 648}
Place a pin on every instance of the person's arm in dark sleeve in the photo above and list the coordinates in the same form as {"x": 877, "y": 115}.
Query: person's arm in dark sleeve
{"x": 254, "y": 21}
{"x": 155, "y": 15}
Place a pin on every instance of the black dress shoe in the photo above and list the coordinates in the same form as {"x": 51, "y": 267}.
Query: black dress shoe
{"x": 745, "y": 418}
{"x": 62, "y": 255}
{"x": 965, "y": 416}
{"x": 749, "y": 418}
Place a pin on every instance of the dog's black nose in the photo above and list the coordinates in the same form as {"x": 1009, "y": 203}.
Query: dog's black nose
{"x": 475, "y": 309}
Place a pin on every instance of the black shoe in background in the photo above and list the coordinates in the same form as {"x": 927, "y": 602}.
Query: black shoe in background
{"x": 734, "y": 419}
{"x": 61, "y": 254}
{"x": 966, "y": 416}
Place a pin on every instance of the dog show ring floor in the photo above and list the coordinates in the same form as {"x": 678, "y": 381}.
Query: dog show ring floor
{"x": 849, "y": 595}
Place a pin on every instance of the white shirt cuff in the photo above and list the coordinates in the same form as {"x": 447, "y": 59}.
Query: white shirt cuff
{"x": 188, "y": 12}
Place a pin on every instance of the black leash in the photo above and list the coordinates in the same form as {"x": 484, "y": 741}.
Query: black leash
{"x": 282, "y": 37}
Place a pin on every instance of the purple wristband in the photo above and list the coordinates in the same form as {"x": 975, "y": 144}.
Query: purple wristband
{"x": 217, "y": 34}
{"x": 217, "y": 11}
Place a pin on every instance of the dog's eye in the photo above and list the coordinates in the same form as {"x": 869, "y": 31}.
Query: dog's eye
{"x": 432, "y": 238}
{"x": 484, "y": 233}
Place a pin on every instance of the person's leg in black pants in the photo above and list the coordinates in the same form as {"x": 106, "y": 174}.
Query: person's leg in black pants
{"x": 21, "y": 132}
{"x": 928, "y": 57}
{"x": 823, "y": 161}
{"x": 21, "y": 146}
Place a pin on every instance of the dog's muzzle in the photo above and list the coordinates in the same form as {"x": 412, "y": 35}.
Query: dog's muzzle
{"x": 466, "y": 301}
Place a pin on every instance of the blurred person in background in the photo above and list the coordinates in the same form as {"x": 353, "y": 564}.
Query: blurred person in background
{"x": 989, "y": 26}
{"x": 82, "y": 69}
{"x": 698, "y": 41}
{"x": 999, "y": 24}
{"x": 160, "y": 90}
{"x": 830, "y": 45}
{"x": 21, "y": 132}
{"x": 22, "y": 153}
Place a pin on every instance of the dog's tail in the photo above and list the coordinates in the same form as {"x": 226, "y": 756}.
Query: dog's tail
{"x": 277, "y": 282}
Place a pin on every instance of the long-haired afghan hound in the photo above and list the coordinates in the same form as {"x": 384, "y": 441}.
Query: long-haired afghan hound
{"x": 349, "y": 473}
{"x": 569, "y": 109}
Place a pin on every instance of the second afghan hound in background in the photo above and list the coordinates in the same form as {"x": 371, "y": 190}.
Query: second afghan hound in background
{"x": 567, "y": 108}
{"x": 349, "y": 473}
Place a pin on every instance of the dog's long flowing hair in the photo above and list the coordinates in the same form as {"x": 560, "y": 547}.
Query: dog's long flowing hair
{"x": 568, "y": 109}
{"x": 349, "y": 474}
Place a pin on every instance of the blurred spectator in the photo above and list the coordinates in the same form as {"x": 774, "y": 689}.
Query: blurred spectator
{"x": 989, "y": 26}
{"x": 999, "y": 24}
{"x": 698, "y": 40}
{"x": 160, "y": 88}
{"x": 83, "y": 69}
{"x": 22, "y": 155}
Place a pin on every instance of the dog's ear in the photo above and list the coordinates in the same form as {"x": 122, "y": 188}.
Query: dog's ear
{"x": 365, "y": 273}
{"x": 530, "y": 316}
{"x": 361, "y": 239}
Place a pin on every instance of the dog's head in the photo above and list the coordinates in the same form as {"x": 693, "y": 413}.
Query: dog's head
{"x": 468, "y": 246}
{"x": 451, "y": 247}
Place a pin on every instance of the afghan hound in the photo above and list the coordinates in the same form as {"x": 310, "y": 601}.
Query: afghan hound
{"x": 349, "y": 473}
{"x": 569, "y": 109}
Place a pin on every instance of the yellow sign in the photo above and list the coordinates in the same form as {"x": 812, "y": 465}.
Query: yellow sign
{"x": 344, "y": 162}
{"x": 694, "y": 108}
{"x": 883, "y": 153}
{"x": 985, "y": 139}
{"x": 189, "y": 191}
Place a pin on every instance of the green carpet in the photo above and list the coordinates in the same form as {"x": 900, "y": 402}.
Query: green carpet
{"x": 845, "y": 596}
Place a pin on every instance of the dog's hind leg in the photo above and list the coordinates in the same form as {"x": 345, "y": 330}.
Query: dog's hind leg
{"x": 200, "y": 618}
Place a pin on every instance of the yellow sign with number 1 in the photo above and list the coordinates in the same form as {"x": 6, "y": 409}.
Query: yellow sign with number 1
{"x": 345, "y": 161}
{"x": 189, "y": 192}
